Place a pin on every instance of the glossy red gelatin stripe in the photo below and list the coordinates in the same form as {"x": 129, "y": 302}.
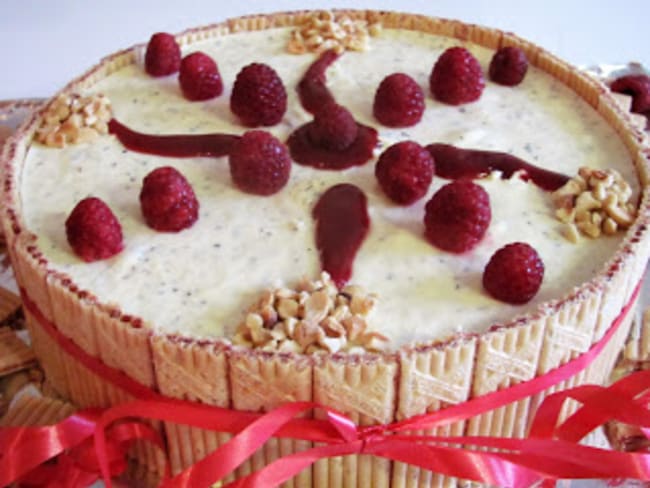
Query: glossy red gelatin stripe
{"x": 342, "y": 224}
{"x": 176, "y": 145}
{"x": 454, "y": 163}
{"x": 304, "y": 152}
{"x": 312, "y": 90}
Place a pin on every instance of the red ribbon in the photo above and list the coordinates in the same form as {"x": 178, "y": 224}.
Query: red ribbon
{"x": 25, "y": 451}
{"x": 94, "y": 442}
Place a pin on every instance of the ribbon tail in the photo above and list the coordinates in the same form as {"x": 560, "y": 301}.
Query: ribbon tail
{"x": 480, "y": 466}
{"x": 102, "y": 455}
{"x": 25, "y": 448}
{"x": 227, "y": 457}
{"x": 629, "y": 408}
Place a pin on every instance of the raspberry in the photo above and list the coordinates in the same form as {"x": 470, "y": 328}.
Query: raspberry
{"x": 457, "y": 216}
{"x": 638, "y": 87}
{"x": 199, "y": 77}
{"x": 163, "y": 56}
{"x": 259, "y": 163}
{"x": 258, "y": 96}
{"x": 404, "y": 172}
{"x": 514, "y": 273}
{"x": 93, "y": 231}
{"x": 167, "y": 200}
{"x": 508, "y": 66}
{"x": 333, "y": 127}
{"x": 399, "y": 101}
{"x": 457, "y": 77}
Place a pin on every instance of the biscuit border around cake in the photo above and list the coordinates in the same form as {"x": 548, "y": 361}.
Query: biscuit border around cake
{"x": 526, "y": 347}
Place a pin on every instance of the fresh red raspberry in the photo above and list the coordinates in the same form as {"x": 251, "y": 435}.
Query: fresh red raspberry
{"x": 93, "y": 231}
{"x": 457, "y": 216}
{"x": 514, "y": 273}
{"x": 638, "y": 87}
{"x": 259, "y": 163}
{"x": 508, "y": 66}
{"x": 258, "y": 96}
{"x": 199, "y": 77}
{"x": 405, "y": 171}
{"x": 399, "y": 101}
{"x": 163, "y": 56}
{"x": 333, "y": 127}
{"x": 168, "y": 201}
{"x": 457, "y": 77}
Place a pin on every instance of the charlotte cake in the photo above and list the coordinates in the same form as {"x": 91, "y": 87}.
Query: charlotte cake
{"x": 436, "y": 338}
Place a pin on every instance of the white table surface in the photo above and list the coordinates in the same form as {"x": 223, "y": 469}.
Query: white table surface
{"x": 45, "y": 43}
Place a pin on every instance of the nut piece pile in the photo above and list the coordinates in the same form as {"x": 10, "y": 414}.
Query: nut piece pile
{"x": 594, "y": 203}
{"x": 321, "y": 31}
{"x": 72, "y": 119}
{"x": 315, "y": 317}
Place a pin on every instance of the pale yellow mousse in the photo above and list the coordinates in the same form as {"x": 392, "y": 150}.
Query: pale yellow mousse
{"x": 200, "y": 281}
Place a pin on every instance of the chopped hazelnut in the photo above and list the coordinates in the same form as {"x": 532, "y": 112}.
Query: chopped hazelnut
{"x": 315, "y": 318}
{"x": 72, "y": 119}
{"x": 596, "y": 202}
{"x": 321, "y": 31}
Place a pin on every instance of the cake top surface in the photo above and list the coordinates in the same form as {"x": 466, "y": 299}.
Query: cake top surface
{"x": 199, "y": 282}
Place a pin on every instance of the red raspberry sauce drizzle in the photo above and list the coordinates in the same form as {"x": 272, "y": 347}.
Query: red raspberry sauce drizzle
{"x": 454, "y": 163}
{"x": 313, "y": 93}
{"x": 342, "y": 224}
{"x": 304, "y": 152}
{"x": 312, "y": 90}
{"x": 181, "y": 146}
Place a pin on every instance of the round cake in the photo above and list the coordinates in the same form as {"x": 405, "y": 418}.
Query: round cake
{"x": 354, "y": 271}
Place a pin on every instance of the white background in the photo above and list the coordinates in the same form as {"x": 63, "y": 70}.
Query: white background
{"x": 44, "y": 43}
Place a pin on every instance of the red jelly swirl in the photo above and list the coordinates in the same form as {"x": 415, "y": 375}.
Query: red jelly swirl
{"x": 342, "y": 224}
{"x": 181, "y": 146}
{"x": 304, "y": 152}
{"x": 312, "y": 90}
{"x": 315, "y": 97}
{"x": 454, "y": 163}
